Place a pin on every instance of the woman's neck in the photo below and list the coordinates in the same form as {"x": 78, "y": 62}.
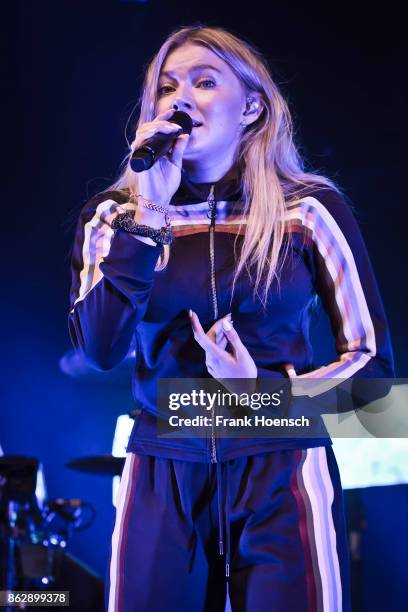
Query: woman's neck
{"x": 209, "y": 175}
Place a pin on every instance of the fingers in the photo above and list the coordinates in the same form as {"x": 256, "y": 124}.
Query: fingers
{"x": 208, "y": 341}
{"x": 160, "y": 123}
{"x": 147, "y": 130}
{"x": 221, "y": 341}
{"x": 165, "y": 114}
{"x": 176, "y": 155}
{"x": 233, "y": 337}
{"x": 215, "y": 333}
{"x": 290, "y": 370}
{"x": 219, "y": 337}
{"x": 199, "y": 334}
{"x": 213, "y": 342}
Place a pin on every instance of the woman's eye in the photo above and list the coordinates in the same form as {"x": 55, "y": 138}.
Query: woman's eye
{"x": 208, "y": 84}
{"x": 162, "y": 89}
{"x": 206, "y": 81}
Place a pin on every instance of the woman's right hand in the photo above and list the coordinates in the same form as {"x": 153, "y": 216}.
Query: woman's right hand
{"x": 162, "y": 180}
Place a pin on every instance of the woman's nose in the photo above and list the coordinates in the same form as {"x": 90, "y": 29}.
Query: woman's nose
{"x": 181, "y": 104}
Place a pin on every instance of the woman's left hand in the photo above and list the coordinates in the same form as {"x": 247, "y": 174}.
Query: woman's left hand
{"x": 221, "y": 364}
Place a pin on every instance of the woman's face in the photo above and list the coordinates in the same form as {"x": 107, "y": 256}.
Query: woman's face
{"x": 204, "y": 86}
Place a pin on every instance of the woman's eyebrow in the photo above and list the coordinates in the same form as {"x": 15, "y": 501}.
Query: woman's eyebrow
{"x": 169, "y": 73}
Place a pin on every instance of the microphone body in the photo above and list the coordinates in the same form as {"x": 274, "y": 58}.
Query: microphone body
{"x": 158, "y": 145}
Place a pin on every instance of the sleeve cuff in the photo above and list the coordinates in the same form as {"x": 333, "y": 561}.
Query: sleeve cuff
{"x": 130, "y": 257}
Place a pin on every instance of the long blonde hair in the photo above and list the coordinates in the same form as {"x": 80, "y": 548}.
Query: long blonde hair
{"x": 272, "y": 172}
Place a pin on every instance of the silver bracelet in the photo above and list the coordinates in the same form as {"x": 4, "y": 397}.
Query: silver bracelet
{"x": 156, "y": 207}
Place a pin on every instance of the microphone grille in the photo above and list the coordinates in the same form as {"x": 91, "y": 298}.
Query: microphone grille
{"x": 184, "y": 120}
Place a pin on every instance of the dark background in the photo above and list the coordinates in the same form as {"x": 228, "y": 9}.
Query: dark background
{"x": 71, "y": 78}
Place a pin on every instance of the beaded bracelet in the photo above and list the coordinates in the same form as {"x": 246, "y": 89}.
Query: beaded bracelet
{"x": 126, "y": 222}
{"x": 156, "y": 207}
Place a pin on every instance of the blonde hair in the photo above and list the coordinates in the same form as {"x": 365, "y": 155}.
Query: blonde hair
{"x": 272, "y": 173}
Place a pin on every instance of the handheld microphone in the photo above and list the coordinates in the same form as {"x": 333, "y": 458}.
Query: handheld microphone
{"x": 158, "y": 145}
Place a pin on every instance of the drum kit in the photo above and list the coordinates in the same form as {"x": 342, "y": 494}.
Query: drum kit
{"x": 34, "y": 531}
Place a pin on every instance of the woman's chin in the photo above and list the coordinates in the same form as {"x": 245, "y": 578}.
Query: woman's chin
{"x": 192, "y": 150}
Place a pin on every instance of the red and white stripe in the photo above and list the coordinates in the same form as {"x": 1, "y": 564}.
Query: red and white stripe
{"x": 123, "y": 509}
{"x": 314, "y": 493}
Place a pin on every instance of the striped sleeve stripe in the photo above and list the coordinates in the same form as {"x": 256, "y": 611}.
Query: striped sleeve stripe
{"x": 314, "y": 494}
{"x": 357, "y": 326}
{"x": 98, "y": 236}
{"x": 188, "y": 230}
{"x": 193, "y": 218}
{"x": 125, "y": 495}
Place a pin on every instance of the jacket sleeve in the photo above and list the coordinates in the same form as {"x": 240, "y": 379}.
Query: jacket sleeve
{"x": 112, "y": 276}
{"x": 344, "y": 280}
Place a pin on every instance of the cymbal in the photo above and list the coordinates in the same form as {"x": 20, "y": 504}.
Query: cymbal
{"x": 106, "y": 465}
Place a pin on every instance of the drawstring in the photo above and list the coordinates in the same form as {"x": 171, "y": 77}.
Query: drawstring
{"x": 220, "y": 518}
{"x": 227, "y": 523}
{"x": 220, "y": 524}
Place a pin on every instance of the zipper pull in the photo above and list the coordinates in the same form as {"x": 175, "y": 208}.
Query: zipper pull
{"x": 212, "y": 205}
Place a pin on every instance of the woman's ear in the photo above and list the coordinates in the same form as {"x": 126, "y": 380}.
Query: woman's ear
{"x": 253, "y": 108}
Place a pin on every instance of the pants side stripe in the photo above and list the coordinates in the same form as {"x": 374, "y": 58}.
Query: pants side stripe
{"x": 314, "y": 594}
{"x": 119, "y": 533}
{"x": 319, "y": 489}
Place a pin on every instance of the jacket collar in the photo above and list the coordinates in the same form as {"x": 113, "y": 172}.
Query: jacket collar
{"x": 227, "y": 188}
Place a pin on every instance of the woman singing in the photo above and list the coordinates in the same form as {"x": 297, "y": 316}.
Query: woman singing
{"x": 224, "y": 290}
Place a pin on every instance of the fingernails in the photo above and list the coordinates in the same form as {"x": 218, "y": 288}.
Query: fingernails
{"x": 190, "y": 313}
{"x": 226, "y": 325}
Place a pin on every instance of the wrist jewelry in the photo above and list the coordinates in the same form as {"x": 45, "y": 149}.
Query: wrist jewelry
{"x": 126, "y": 222}
{"x": 156, "y": 207}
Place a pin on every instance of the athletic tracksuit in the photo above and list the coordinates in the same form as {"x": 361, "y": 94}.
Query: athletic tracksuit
{"x": 278, "y": 500}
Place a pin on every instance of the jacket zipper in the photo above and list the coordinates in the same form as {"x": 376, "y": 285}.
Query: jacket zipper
{"x": 212, "y": 204}
{"x": 212, "y": 213}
